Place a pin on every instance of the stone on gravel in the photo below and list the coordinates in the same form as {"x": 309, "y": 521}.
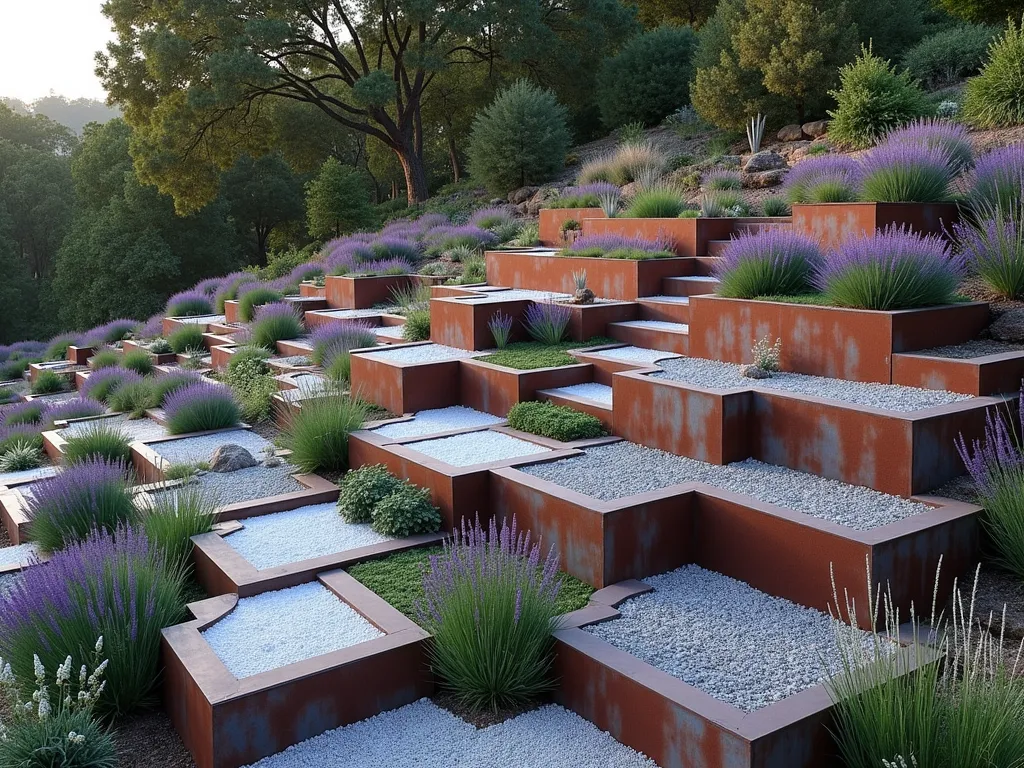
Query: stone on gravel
{"x": 522, "y": 194}
{"x": 274, "y": 629}
{"x": 190, "y": 450}
{"x": 720, "y": 635}
{"x": 231, "y": 458}
{"x": 765, "y": 160}
{"x": 1009, "y": 326}
{"x": 815, "y": 128}
{"x": 790, "y": 133}
{"x": 753, "y": 372}
{"x": 763, "y": 180}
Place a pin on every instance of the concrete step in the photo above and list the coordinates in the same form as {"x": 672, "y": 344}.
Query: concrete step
{"x": 671, "y": 309}
{"x": 692, "y": 285}
{"x": 653, "y": 334}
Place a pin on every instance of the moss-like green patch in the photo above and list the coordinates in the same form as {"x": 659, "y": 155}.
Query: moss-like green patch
{"x": 528, "y": 355}
{"x": 398, "y": 578}
{"x": 624, "y": 254}
{"x": 817, "y": 299}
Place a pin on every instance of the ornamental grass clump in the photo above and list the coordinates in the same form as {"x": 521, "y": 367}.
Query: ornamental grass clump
{"x": 138, "y": 360}
{"x": 996, "y": 465}
{"x": 79, "y": 408}
{"x": 993, "y": 247}
{"x": 13, "y": 438}
{"x": 998, "y": 181}
{"x": 329, "y": 341}
{"x": 655, "y": 203}
{"x": 253, "y": 298}
{"x": 547, "y": 322}
{"x": 722, "y": 179}
{"x": 275, "y": 322}
{"x": 28, "y": 412}
{"x": 558, "y": 422}
{"x": 117, "y": 586}
{"x": 827, "y": 179}
{"x": 500, "y": 326}
{"x": 772, "y": 262}
{"x": 110, "y": 333}
{"x": 892, "y": 269}
{"x": 48, "y": 383}
{"x": 172, "y": 382}
{"x": 174, "y": 517}
{"x": 317, "y": 433}
{"x": 90, "y": 495}
{"x": 99, "y": 441}
{"x": 907, "y": 173}
{"x": 105, "y": 358}
{"x": 491, "y": 606}
{"x": 103, "y": 383}
{"x": 187, "y": 339}
{"x": 133, "y": 399}
{"x": 189, "y": 304}
{"x": 21, "y": 456}
{"x": 200, "y": 407}
{"x": 586, "y": 195}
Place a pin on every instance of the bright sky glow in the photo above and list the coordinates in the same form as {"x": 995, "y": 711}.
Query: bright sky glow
{"x": 50, "y": 45}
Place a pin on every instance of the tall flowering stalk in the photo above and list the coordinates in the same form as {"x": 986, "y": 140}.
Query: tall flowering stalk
{"x": 953, "y": 138}
{"x": 490, "y": 602}
{"x": 547, "y": 322}
{"x": 908, "y": 173}
{"x": 998, "y": 180}
{"x": 500, "y": 326}
{"x": 117, "y": 586}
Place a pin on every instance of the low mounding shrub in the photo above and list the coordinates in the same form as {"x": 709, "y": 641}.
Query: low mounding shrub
{"x": 994, "y": 249}
{"x": 775, "y": 206}
{"x": 103, "y": 383}
{"x": 317, "y": 434}
{"x": 30, "y": 412}
{"x": 48, "y": 383}
{"x": 547, "y": 322}
{"x": 174, "y": 518}
{"x": 998, "y": 182}
{"x": 617, "y": 247}
{"x": 172, "y": 382}
{"x": 406, "y": 511}
{"x": 825, "y": 179}
{"x": 872, "y": 100}
{"x": 138, "y": 360}
{"x": 949, "y": 56}
{"x": 722, "y": 179}
{"x": 892, "y": 269}
{"x": 950, "y": 137}
{"x": 628, "y": 163}
{"x": 115, "y": 586}
{"x": 55, "y": 727}
{"x": 995, "y": 98}
{"x": 656, "y": 203}
{"x": 328, "y": 341}
{"x": 520, "y": 139}
{"x": 585, "y": 195}
{"x": 57, "y": 349}
{"x": 80, "y": 408}
{"x": 254, "y": 298}
{"x": 114, "y": 331}
{"x": 89, "y": 495}
{"x": 772, "y": 262}
{"x": 557, "y": 422}
{"x": 491, "y": 607}
{"x": 134, "y": 398}
{"x": 200, "y": 407}
{"x": 417, "y": 325}
{"x": 105, "y": 358}
{"x": 906, "y": 173}
{"x": 362, "y": 489}
{"x": 99, "y": 441}
{"x": 187, "y": 338}
{"x": 249, "y": 360}
{"x": 189, "y": 304}
{"x": 275, "y": 322}
{"x": 648, "y": 78}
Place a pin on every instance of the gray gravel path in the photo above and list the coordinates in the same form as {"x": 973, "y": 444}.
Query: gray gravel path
{"x": 477, "y": 448}
{"x": 135, "y": 429}
{"x": 425, "y": 353}
{"x": 624, "y": 469}
{"x": 10, "y": 478}
{"x": 249, "y": 484}
{"x": 7, "y": 582}
{"x": 438, "y": 420}
{"x": 193, "y": 449}
{"x": 890, "y": 397}
{"x": 726, "y": 638}
{"x": 422, "y": 735}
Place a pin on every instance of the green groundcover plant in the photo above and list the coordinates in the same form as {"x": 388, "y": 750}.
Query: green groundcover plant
{"x": 557, "y": 422}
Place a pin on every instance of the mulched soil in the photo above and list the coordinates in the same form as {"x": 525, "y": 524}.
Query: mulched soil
{"x": 267, "y": 429}
{"x": 149, "y": 741}
{"x": 482, "y": 719}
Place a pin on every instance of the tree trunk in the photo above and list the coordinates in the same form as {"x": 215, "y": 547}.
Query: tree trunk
{"x": 454, "y": 157}
{"x": 415, "y": 174}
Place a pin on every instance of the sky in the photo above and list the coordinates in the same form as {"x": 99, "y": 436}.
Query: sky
{"x": 50, "y": 45}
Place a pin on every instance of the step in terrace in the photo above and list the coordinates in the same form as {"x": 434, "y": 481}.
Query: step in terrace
{"x": 671, "y": 309}
{"x": 654, "y": 334}
{"x": 692, "y": 285}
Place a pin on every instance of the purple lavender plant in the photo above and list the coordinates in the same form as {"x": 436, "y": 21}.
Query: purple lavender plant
{"x": 115, "y": 586}
{"x": 80, "y": 408}
{"x": 994, "y": 249}
{"x": 209, "y": 286}
{"x": 189, "y": 304}
{"x": 153, "y": 328}
{"x": 87, "y": 495}
{"x": 826, "y": 179}
{"x": 488, "y": 218}
{"x": 393, "y": 249}
{"x": 274, "y": 322}
{"x": 442, "y": 239}
{"x": 611, "y": 243}
{"x": 722, "y": 179}
{"x": 907, "y": 173}
{"x": 329, "y": 341}
{"x": 547, "y": 322}
{"x": 384, "y": 267}
{"x": 500, "y": 326}
{"x": 104, "y": 382}
{"x": 57, "y": 347}
{"x": 892, "y": 269}
{"x": 108, "y": 333}
{"x": 28, "y": 412}
{"x": 998, "y": 181}
{"x": 304, "y": 272}
{"x": 18, "y": 435}
{"x": 771, "y": 262}
{"x": 490, "y": 604}
{"x": 951, "y": 137}
{"x": 200, "y": 407}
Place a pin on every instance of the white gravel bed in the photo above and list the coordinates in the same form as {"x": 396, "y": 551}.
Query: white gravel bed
{"x": 27, "y": 475}
{"x": 192, "y": 449}
{"x": 618, "y": 470}
{"x": 292, "y": 361}
{"x": 438, "y": 420}
{"x": 424, "y": 353}
{"x": 698, "y": 278}
{"x": 350, "y": 313}
{"x": 887, "y": 397}
{"x": 135, "y": 429}
{"x": 248, "y": 484}
{"x": 726, "y": 638}
{"x": 602, "y": 393}
{"x": 515, "y": 294}
{"x": 56, "y": 399}
{"x": 658, "y": 325}
{"x": 299, "y": 534}
{"x": 666, "y": 297}
{"x": 635, "y": 354}
{"x": 390, "y": 331}
{"x": 476, "y": 448}
{"x": 22, "y": 554}
{"x": 201, "y": 319}
{"x": 976, "y": 348}
{"x": 7, "y": 582}
{"x": 424, "y": 735}
{"x": 275, "y": 629}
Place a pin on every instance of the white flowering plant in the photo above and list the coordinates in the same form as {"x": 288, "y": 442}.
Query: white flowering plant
{"x": 55, "y": 726}
{"x": 767, "y": 356}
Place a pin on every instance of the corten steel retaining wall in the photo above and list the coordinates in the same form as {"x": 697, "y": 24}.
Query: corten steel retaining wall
{"x": 227, "y": 723}
{"x": 231, "y": 311}
{"x": 620, "y": 279}
{"x": 14, "y": 515}
{"x": 687, "y": 237}
{"x": 902, "y": 453}
{"x": 495, "y": 388}
{"x": 463, "y": 323}
{"x": 65, "y": 370}
{"x": 313, "y": 291}
{"x": 405, "y": 387}
{"x": 779, "y": 551}
{"x": 831, "y": 223}
{"x": 171, "y": 324}
{"x": 549, "y": 227}
{"x": 348, "y": 292}
{"x": 601, "y": 411}
{"x": 80, "y": 355}
{"x": 588, "y": 321}
{"x": 852, "y": 344}
{"x": 163, "y": 358}
{"x": 985, "y": 375}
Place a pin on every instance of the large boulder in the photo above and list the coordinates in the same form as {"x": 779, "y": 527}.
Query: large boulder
{"x": 521, "y": 195}
{"x": 765, "y": 160}
{"x": 790, "y": 133}
{"x": 1009, "y": 326}
{"x": 231, "y": 458}
{"x": 763, "y": 179}
{"x": 815, "y": 129}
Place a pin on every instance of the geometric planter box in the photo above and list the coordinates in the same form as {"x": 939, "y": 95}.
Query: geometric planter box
{"x": 226, "y": 722}
{"x": 550, "y": 222}
{"x": 495, "y": 389}
{"x": 831, "y": 223}
{"x": 351, "y": 292}
{"x": 687, "y": 237}
{"x": 996, "y": 374}
{"x": 463, "y": 322}
{"x": 80, "y": 355}
{"x": 851, "y": 344}
{"x": 309, "y": 290}
{"x": 163, "y": 358}
{"x": 402, "y": 388}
